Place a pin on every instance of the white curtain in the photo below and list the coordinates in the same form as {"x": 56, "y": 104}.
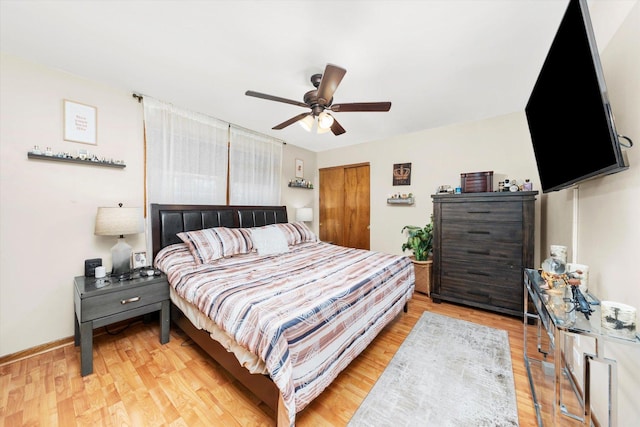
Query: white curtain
{"x": 186, "y": 155}
{"x": 255, "y": 168}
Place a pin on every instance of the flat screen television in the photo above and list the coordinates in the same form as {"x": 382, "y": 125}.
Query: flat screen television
{"x": 569, "y": 116}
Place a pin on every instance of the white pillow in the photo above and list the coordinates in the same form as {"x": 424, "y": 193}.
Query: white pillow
{"x": 269, "y": 240}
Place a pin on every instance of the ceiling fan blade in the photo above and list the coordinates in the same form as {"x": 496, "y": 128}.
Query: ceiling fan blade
{"x": 361, "y": 106}
{"x": 291, "y": 121}
{"x": 336, "y": 128}
{"x": 330, "y": 80}
{"x": 275, "y": 98}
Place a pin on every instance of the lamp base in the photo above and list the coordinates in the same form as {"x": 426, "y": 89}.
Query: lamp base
{"x": 121, "y": 258}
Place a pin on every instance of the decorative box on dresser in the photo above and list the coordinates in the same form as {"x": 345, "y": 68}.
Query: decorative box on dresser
{"x": 482, "y": 243}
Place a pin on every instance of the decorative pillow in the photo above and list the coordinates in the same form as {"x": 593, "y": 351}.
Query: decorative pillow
{"x": 235, "y": 241}
{"x": 214, "y": 243}
{"x": 269, "y": 240}
{"x": 295, "y": 232}
{"x": 172, "y": 255}
{"x": 291, "y": 233}
{"x": 306, "y": 234}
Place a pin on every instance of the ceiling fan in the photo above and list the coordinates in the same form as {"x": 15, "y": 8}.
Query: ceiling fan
{"x": 320, "y": 100}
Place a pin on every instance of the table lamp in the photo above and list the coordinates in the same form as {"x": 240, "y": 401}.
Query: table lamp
{"x": 304, "y": 214}
{"x": 118, "y": 222}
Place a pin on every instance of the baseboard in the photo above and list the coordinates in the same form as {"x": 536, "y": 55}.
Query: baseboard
{"x": 53, "y": 345}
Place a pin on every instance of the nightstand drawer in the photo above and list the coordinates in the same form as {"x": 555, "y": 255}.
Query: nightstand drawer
{"x": 122, "y": 300}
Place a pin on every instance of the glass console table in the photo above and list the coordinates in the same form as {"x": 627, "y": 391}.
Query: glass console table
{"x": 550, "y": 329}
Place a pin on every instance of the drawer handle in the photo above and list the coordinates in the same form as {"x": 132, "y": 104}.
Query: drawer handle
{"x": 127, "y": 301}
{"x": 478, "y": 212}
{"x": 479, "y": 293}
{"x": 478, "y": 232}
{"x": 479, "y": 252}
{"x": 479, "y": 273}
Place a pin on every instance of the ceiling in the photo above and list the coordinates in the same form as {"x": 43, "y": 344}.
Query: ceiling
{"x": 438, "y": 62}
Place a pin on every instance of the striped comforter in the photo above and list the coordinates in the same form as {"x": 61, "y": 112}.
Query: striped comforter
{"x": 307, "y": 312}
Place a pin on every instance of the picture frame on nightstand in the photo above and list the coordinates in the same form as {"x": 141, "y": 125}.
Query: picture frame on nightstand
{"x": 138, "y": 260}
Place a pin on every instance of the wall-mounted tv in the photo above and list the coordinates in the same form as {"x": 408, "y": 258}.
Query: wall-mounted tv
{"x": 569, "y": 115}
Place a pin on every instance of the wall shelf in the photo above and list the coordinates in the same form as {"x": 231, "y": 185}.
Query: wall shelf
{"x": 74, "y": 160}
{"x": 300, "y": 186}
{"x": 401, "y": 201}
{"x": 301, "y": 183}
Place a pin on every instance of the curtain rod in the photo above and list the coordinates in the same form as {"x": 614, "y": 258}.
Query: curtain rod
{"x": 140, "y": 97}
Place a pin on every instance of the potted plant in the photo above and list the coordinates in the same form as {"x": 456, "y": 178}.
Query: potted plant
{"x": 420, "y": 242}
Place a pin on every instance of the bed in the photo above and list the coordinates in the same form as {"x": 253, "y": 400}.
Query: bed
{"x": 281, "y": 311}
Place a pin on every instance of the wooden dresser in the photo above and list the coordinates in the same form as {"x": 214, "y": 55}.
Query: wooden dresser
{"x": 482, "y": 243}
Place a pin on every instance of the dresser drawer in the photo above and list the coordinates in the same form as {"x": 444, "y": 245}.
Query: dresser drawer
{"x": 471, "y": 251}
{"x": 124, "y": 299}
{"x": 490, "y": 232}
{"x": 490, "y": 285}
{"x": 475, "y": 273}
{"x": 484, "y": 296}
{"x": 482, "y": 211}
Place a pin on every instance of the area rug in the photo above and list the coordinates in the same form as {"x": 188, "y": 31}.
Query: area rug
{"x": 447, "y": 372}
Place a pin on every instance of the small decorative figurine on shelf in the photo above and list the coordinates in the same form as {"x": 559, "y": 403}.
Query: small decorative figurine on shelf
{"x": 300, "y": 183}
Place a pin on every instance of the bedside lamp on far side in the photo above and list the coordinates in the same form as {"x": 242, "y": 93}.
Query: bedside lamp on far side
{"x": 118, "y": 222}
{"x": 304, "y": 214}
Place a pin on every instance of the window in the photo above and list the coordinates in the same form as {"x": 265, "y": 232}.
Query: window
{"x": 188, "y": 155}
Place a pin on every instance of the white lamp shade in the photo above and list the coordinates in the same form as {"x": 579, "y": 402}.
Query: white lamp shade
{"x": 307, "y": 123}
{"x": 325, "y": 120}
{"x": 321, "y": 131}
{"x": 119, "y": 221}
{"x": 304, "y": 214}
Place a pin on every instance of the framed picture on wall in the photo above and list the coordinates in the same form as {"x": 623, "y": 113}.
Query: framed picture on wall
{"x": 80, "y": 122}
{"x": 299, "y": 168}
{"x": 402, "y": 174}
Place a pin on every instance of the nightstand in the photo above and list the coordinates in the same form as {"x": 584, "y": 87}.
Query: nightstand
{"x": 99, "y": 303}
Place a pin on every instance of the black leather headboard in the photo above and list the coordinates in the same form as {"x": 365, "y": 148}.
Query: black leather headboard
{"x": 169, "y": 220}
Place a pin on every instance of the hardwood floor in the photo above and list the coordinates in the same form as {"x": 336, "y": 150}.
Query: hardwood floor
{"x": 139, "y": 382}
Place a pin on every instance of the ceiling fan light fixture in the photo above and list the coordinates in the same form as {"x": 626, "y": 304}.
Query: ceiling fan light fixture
{"x": 319, "y": 130}
{"x": 325, "y": 120}
{"x": 319, "y": 100}
{"x": 307, "y": 123}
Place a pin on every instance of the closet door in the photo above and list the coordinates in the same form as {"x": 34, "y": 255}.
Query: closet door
{"x": 331, "y": 205}
{"x": 356, "y": 207}
{"x": 344, "y": 205}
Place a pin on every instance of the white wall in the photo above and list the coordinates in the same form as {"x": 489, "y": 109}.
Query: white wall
{"x": 48, "y": 209}
{"x": 299, "y": 197}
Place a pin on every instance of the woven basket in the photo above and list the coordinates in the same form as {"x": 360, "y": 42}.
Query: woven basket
{"x": 423, "y": 275}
